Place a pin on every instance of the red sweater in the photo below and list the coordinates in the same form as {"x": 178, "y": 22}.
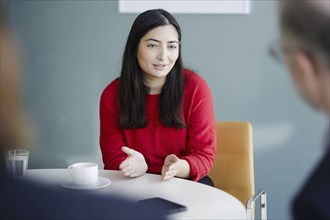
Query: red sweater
{"x": 195, "y": 143}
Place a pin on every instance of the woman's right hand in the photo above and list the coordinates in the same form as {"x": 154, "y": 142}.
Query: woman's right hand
{"x": 134, "y": 165}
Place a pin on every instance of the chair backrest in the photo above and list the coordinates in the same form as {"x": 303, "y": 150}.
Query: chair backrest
{"x": 233, "y": 169}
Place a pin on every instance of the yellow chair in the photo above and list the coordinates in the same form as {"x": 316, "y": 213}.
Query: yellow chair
{"x": 233, "y": 169}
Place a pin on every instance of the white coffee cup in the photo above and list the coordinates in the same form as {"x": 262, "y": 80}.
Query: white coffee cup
{"x": 84, "y": 173}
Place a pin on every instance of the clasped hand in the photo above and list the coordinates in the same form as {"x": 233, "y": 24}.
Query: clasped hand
{"x": 134, "y": 165}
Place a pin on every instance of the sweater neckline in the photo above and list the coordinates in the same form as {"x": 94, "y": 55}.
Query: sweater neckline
{"x": 153, "y": 95}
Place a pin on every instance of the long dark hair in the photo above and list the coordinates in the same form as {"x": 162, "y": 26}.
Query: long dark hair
{"x": 132, "y": 92}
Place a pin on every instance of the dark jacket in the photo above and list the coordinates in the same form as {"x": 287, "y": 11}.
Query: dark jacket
{"x": 27, "y": 200}
{"x": 313, "y": 201}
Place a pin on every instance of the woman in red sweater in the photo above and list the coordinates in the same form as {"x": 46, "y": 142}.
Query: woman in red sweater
{"x": 157, "y": 117}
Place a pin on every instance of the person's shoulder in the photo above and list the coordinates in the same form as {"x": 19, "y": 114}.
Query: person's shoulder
{"x": 113, "y": 86}
{"x": 313, "y": 199}
{"x": 193, "y": 80}
{"x": 191, "y": 75}
{"x": 111, "y": 89}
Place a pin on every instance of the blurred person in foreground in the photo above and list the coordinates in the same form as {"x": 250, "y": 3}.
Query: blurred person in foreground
{"x": 21, "y": 199}
{"x": 305, "y": 46}
{"x": 15, "y": 130}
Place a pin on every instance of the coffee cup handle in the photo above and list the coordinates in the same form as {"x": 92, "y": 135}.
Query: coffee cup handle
{"x": 70, "y": 173}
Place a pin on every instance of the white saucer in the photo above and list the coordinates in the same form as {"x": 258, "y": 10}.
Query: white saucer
{"x": 102, "y": 182}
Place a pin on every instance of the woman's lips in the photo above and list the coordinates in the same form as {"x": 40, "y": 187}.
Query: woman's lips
{"x": 160, "y": 66}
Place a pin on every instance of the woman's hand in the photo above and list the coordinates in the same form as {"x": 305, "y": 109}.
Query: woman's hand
{"x": 134, "y": 165}
{"x": 173, "y": 166}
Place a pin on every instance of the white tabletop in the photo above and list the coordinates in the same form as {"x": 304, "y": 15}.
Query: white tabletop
{"x": 202, "y": 201}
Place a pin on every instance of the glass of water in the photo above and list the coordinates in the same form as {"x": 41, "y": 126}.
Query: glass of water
{"x": 17, "y": 162}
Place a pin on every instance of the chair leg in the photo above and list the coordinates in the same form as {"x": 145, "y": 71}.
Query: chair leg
{"x": 263, "y": 205}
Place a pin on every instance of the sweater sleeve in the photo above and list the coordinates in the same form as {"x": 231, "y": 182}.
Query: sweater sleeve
{"x": 111, "y": 136}
{"x": 201, "y": 140}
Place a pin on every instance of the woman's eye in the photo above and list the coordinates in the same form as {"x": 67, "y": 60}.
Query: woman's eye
{"x": 151, "y": 45}
{"x": 172, "y": 46}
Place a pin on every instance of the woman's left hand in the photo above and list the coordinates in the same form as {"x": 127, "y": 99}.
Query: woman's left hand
{"x": 173, "y": 166}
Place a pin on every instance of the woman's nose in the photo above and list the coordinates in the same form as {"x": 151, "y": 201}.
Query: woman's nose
{"x": 162, "y": 54}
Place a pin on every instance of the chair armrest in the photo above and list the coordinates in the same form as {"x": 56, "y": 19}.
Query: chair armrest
{"x": 263, "y": 205}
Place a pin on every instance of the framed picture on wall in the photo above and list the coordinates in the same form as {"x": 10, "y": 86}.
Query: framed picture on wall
{"x": 187, "y": 6}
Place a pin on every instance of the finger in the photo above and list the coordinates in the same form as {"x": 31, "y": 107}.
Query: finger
{"x": 123, "y": 164}
{"x": 164, "y": 170}
{"x": 165, "y": 178}
{"x": 126, "y": 169}
{"x": 171, "y": 173}
{"x": 173, "y": 158}
{"x": 170, "y": 159}
{"x": 129, "y": 172}
{"x": 130, "y": 152}
{"x": 136, "y": 174}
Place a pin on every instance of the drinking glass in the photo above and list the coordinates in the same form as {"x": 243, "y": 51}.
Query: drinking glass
{"x": 17, "y": 162}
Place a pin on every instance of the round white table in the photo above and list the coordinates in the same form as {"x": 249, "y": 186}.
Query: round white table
{"x": 202, "y": 201}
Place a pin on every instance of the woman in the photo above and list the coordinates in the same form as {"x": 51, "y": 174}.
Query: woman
{"x": 157, "y": 117}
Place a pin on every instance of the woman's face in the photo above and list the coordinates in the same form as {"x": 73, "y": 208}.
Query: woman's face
{"x": 158, "y": 51}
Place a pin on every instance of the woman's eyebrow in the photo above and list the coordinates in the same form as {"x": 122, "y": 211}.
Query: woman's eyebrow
{"x": 152, "y": 39}
{"x": 158, "y": 41}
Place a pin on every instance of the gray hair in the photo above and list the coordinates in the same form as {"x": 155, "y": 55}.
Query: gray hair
{"x": 305, "y": 24}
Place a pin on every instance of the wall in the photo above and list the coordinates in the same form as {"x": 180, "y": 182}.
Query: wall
{"x": 73, "y": 50}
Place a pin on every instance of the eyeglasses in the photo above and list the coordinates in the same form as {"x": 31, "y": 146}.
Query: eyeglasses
{"x": 277, "y": 52}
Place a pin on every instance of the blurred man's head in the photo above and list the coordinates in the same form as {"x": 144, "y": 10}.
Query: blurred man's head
{"x": 305, "y": 41}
